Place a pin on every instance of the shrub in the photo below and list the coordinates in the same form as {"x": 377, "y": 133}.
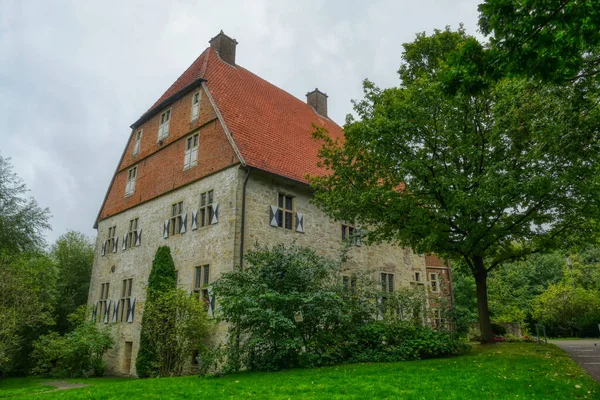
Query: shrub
{"x": 174, "y": 324}
{"x": 289, "y": 308}
{"x": 498, "y": 329}
{"x": 75, "y": 354}
{"x": 162, "y": 277}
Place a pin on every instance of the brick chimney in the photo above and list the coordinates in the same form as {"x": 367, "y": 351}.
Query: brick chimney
{"x": 224, "y": 46}
{"x": 317, "y": 100}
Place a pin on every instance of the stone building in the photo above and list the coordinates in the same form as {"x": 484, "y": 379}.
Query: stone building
{"x": 217, "y": 164}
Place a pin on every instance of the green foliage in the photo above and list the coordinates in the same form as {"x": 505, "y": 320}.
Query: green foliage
{"x": 566, "y": 312}
{"x": 551, "y": 39}
{"x": 162, "y": 278}
{"x": 174, "y": 324}
{"x": 486, "y": 176}
{"x": 289, "y": 308}
{"x": 73, "y": 254}
{"x": 27, "y": 293}
{"x": 21, "y": 219}
{"x": 75, "y": 354}
{"x": 178, "y": 324}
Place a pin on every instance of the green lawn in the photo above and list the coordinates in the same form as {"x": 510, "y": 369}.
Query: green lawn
{"x": 503, "y": 371}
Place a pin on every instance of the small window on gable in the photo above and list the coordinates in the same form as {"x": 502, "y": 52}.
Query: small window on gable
{"x": 435, "y": 283}
{"x": 164, "y": 122}
{"x": 131, "y": 178}
{"x": 137, "y": 143}
{"x": 195, "y": 106}
{"x": 190, "y": 158}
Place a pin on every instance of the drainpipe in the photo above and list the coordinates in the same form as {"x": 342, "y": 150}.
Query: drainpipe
{"x": 248, "y": 172}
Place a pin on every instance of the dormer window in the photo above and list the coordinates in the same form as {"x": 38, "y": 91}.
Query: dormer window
{"x": 131, "y": 177}
{"x": 163, "y": 129}
{"x": 137, "y": 143}
{"x": 195, "y": 106}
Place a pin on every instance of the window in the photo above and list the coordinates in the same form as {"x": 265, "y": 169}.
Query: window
{"x": 125, "y": 306}
{"x": 130, "y": 186}
{"x": 387, "y": 282}
{"x": 437, "y": 318}
{"x": 348, "y": 231}
{"x": 190, "y": 159}
{"x": 206, "y": 209}
{"x": 349, "y": 282}
{"x": 285, "y": 212}
{"x": 176, "y": 276}
{"x": 163, "y": 129}
{"x": 201, "y": 281}
{"x": 110, "y": 242}
{"x": 137, "y": 143}
{"x": 103, "y": 301}
{"x": 176, "y": 217}
{"x": 435, "y": 284}
{"x": 417, "y": 276}
{"x": 132, "y": 235}
{"x": 195, "y": 106}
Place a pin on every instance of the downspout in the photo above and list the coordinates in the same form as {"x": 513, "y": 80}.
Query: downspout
{"x": 242, "y": 229}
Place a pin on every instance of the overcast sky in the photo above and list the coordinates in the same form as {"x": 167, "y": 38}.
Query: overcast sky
{"x": 75, "y": 74}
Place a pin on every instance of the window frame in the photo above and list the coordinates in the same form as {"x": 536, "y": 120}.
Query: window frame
{"x": 205, "y": 212}
{"x": 162, "y": 135}
{"x": 110, "y": 242}
{"x": 137, "y": 142}
{"x": 434, "y": 284}
{"x": 348, "y": 231}
{"x": 196, "y": 106}
{"x": 175, "y": 220}
{"x": 131, "y": 179}
{"x": 202, "y": 281}
{"x": 283, "y": 211}
{"x": 387, "y": 284}
{"x": 190, "y": 156}
{"x": 417, "y": 276}
{"x": 133, "y": 232}
{"x": 349, "y": 282}
{"x": 125, "y": 300}
{"x": 103, "y": 300}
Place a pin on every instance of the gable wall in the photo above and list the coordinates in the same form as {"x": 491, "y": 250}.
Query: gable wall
{"x": 160, "y": 168}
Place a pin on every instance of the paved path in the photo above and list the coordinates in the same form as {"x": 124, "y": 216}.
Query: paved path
{"x": 586, "y": 352}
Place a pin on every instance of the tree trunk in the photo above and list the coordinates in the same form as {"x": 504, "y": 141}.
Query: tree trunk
{"x": 485, "y": 326}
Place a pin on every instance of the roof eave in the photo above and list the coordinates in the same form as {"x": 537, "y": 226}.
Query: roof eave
{"x": 168, "y": 101}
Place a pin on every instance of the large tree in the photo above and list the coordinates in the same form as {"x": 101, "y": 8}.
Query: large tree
{"x": 486, "y": 176}
{"x": 73, "y": 254}
{"x": 22, "y": 220}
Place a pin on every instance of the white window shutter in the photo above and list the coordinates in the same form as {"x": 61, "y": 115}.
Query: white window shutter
{"x": 194, "y": 220}
{"x": 131, "y": 309}
{"x": 138, "y": 239}
{"x": 132, "y": 187}
{"x": 124, "y": 244}
{"x": 194, "y": 156}
{"x": 115, "y": 245}
{"x": 94, "y": 311}
{"x": 104, "y": 248}
{"x": 183, "y": 226}
{"x": 115, "y": 311}
{"x": 211, "y": 302}
{"x": 107, "y": 312}
{"x": 166, "y": 229}
{"x": 136, "y": 148}
{"x": 166, "y": 128}
{"x": 358, "y": 239}
{"x": 215, "y": 216}
{"x": 379, "y": 305}
{"x": 273, "y": 216}
{"x": 299, "y": 222}
{"x": 195, "y": 110}
{"x": 187, "y": 159}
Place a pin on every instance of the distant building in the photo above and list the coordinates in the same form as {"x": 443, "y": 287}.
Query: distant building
{"x": 218, "y": 163}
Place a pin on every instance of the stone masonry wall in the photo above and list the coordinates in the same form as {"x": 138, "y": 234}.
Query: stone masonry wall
{"x": 213, "y": 244}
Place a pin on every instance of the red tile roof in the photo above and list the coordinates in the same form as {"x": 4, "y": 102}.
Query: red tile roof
{"x": 271, "y": 128}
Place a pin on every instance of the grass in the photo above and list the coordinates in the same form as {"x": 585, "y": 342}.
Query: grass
{"x": 502, "y": 371}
